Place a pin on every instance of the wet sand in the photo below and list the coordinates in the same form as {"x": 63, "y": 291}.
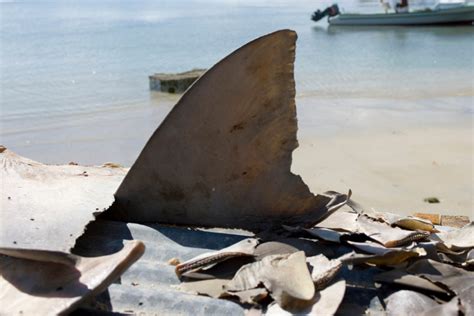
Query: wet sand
{"x": 394, "y": 171}
{"x": 391, "y": 153}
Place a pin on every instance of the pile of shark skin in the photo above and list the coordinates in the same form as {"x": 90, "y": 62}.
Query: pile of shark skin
{"x": 222, "y": 158}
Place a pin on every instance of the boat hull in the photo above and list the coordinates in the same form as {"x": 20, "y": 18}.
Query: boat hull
{"x": 446, "y": 16}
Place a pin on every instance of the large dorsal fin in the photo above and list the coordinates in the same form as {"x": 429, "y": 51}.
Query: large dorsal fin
{"x": 222, "y": 156}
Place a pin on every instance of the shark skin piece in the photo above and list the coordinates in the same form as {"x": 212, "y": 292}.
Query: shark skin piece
{"x": 45, "y": 286}
{"x": 222, "y": 156}
{"x": 46, "y": 207}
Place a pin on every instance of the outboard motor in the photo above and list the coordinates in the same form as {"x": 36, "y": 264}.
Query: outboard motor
{"x": 329, "y": 11}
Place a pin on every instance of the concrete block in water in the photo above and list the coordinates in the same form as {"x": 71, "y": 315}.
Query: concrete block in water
{"x": 174, "y": 83}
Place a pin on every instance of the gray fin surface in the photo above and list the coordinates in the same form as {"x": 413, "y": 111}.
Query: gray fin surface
{"x": 222, "y": 156}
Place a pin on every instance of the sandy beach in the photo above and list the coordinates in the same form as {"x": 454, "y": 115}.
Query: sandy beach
{"x": 391, "y": 159}
{"x": 394, "y": 171}
{"x": 391, "y": 153}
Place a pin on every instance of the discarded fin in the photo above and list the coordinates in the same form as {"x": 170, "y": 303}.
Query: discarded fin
{"x": 456, "y": 279}
{"x": 286, "y": 277}
{"x": 325, "y": 302}
{"x": 406, "y": 222}
{"x": 408, "y": 303}
{"x": 41, "y": 255}
{"x": 466, "y": 298}
{"x": 387, "y": 235}
{"x": 451, "y": 308}
{"x": 252, "y": 296}
{"x": 291, "y": 245}
{"x": 222, "y": 156}
{"x": 37, "y": 199}
{"x": 212, "y": 287}
{"x": 270, "y": 248}
{"x": 341, "y": 220}
{"x": 373, "y": 247}
{"x": 391, "y": 258}
{"x": 32, "y": 287}
{"x": 462, "y": 238}
{"x": 323, "y": 270}
{"x": 415, "y": 223}
{"x": 207, "y": 260}
{"x": 401, "y": 277}
{"x": 325, "y": 234}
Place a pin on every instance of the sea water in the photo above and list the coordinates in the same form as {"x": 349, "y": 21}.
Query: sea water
{"x": 63, "y": 63}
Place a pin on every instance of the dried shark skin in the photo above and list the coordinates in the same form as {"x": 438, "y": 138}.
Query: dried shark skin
{"x": 392, "y": 258}
{"x": 456, "y": 279}
{"x": 407, "y": 303}
{"x": 325, "y": 302}
{"x": 222, "y": 156}
{"x": 359, "y": 223}
{"x": 413, "y": 304}
{"x": 33, "y": 287}
{"x": 213, "y": 287}
{"x": 456, "y": 239}
{"x": 470, "y": 258}
{"x": 376, "y": 248}
{"x": 292, "y": 245}
{"x": 320, "y": 233}
{"x": 41, "y": 255}
{"x": 340, "y": 220}
{"x": 387, "y": 235}
{"x": 401, "y": 277}
{"x": 323, "y": 270}
{"x": 286, "y": 277}
{"x": 216, "y": 288}
{"x": 406, "y": 222}
{"x": 451, "y": 308}
{"x": 414, "y": 223}
{"x": 270, "y": 248}
{"x": 464, "y": 258}
{"x": 207, "y": 260}
{"x": 252, "y": 296}
{"x": 466, "y": 298}
{"x": 437, "y": 277}
{"x": 38, "y": 199}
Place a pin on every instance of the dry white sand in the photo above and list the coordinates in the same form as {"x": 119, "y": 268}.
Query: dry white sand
{"x": 394, "y": 165}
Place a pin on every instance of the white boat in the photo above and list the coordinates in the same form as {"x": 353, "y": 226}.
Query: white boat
{"x": 438, "y": 15}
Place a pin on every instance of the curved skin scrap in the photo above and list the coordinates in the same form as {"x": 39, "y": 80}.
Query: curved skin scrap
{"x": 408, "y": 303}
{"x": 462, "y": 238}
{"x": 222, "y": 156}
{"x": 401, "y": 277}
{"x": 40, "y": 255}
{"x": 285, "y": 276}
{"x": 412, "y": 303}
{"x": 456, "y": 279}
{"x": 415, "y": 223}
{"x": 46, "y": 287}
{"x": 37, "y": 199}
{"x": 406, "y": 222}
{"x": 207, "y": 260}
{"x": 323, "y": 270}
{"x": 325, "y": 302}
{"x": 387, "y": 235}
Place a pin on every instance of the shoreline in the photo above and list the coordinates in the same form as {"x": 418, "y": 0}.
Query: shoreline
{"x": 392, "y": 154}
